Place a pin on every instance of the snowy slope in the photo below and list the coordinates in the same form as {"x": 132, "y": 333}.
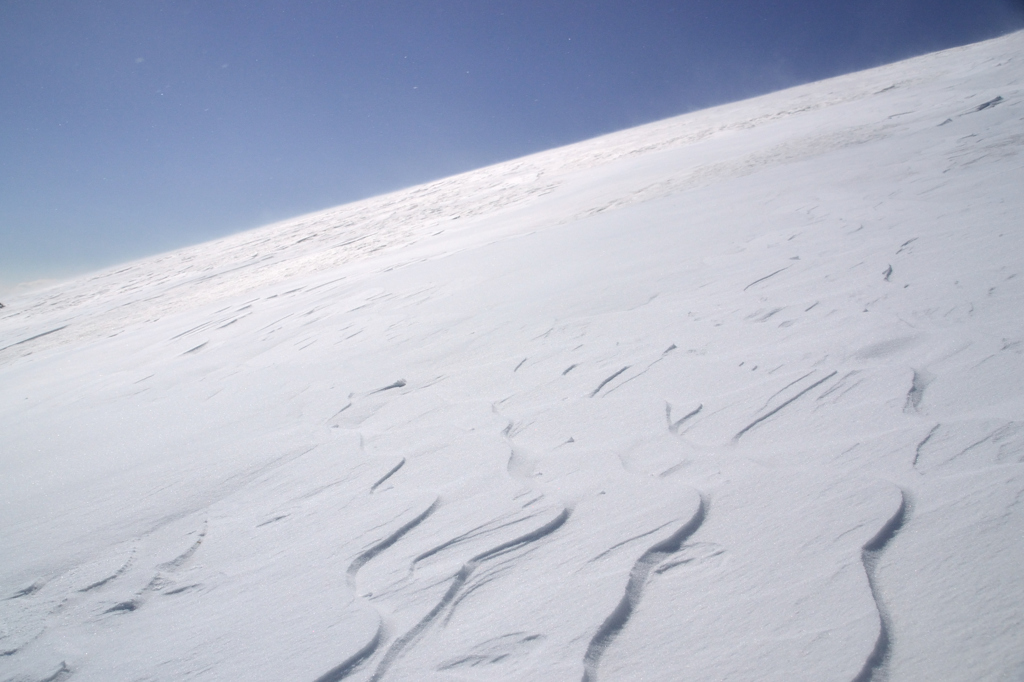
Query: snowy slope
{"x": 737, "y": 395}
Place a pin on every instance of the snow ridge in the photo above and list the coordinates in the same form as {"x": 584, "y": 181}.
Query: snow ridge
{"x": 458, "y": 582}
{"x": 638, "y": 577}
{"x": 876, "y": 667}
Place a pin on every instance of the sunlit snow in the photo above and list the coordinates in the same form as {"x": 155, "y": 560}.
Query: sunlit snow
{"x": 737, "y": 395}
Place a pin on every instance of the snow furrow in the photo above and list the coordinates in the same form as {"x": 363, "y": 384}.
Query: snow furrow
{"x": 625, "y": 542}
{"x": 387, "y": 542}
{"x": 916, "y": 392}
{"x": 924, "y": 441}
{"x": 28, "y": 589}
{"x": 605, "y": 382}
{"x": 876, "y": 666}
{"x": 645, "y": 370}
{"x": 343, "y": 669}
{"x": 674, "y": 426}
{"x": 62, "y": 673}
{"x": 760, "y": 419}
{"x": 33, "y": 338}
{"x": 346, "y": 667}
{"x": 482, "y": 529}
{"x": 388, "y": 475}
{"x": 177, "y": 561}
{"x": 463, "y": 575}
{"x": 397, "y": 384}
{"x": 113, "y": 576}
{"x": 783, "y": 389}
{"x": 758, "y": 281}
{"x": 638, "y": 577}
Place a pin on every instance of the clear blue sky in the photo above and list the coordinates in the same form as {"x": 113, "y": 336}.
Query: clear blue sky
{"x": 133, "y": 127}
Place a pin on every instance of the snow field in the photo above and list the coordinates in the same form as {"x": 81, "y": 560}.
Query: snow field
{"x": 735, "y": 395}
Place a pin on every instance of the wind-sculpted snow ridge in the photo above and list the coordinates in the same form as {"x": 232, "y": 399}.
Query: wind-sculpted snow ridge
{"x": 391, "y": 472}
{"x": 343, "y": 669}
{"x": 387, "y": 542}
{"x": 638, "y": 578}
{"x": 876, "y": 667}
{"x": 350, "y": 664}
{"x": 775, "y": 410}
{"x": 458, "y": 583}
{"x": 674, "y": 426}
{"x": 638, "y": 408}
{"x": 607, "y": 381}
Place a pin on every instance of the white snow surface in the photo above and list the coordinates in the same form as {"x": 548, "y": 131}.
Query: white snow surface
{"x": 738, "y": 395}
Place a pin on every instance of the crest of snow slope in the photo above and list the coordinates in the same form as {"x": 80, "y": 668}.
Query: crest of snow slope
{"x": 735, "y": 395}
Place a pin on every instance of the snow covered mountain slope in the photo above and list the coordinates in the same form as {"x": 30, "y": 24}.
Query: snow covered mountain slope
{"x": 733, "y": 396}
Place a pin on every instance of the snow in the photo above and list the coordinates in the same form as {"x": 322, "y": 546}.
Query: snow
{"x": 731, "y": 396}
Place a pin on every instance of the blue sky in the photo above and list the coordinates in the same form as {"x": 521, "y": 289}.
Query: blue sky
{"x": 130, "y": 128}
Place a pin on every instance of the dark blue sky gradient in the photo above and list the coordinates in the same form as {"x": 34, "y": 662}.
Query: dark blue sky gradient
{"x": 129, "y": 128}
